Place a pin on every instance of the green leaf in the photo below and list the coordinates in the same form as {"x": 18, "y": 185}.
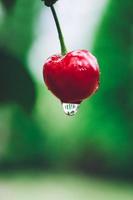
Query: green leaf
{"x": 16, "y": 84}
{"x": 8, "y": 3}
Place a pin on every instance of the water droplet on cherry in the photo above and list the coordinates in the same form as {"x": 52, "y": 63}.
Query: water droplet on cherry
{"x": 70, "y": 109}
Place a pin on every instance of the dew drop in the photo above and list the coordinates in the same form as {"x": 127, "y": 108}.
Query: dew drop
{"x": 70, "y": 109}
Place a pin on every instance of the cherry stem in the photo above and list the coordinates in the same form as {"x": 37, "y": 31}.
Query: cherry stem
{"x": 61, "y": 38}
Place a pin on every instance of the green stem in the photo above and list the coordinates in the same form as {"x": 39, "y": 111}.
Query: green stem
{"x": 61, "y": 38}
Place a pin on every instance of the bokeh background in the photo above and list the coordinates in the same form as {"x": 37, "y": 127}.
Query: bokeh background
{"x": 43, "y": 153}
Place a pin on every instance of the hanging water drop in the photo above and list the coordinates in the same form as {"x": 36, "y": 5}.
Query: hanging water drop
{"x": 70, "y": 109}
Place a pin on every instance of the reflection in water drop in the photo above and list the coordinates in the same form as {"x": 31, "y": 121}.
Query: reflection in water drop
{"x": 70, "y": 109}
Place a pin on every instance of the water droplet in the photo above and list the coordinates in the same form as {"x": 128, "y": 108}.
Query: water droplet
{"x": 70, "y": 109}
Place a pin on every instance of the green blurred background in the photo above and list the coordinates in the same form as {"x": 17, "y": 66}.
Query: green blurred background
{"x": 43, "y": 153}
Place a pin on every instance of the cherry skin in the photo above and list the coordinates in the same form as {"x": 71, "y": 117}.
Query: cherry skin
{"x": 72, "y": 77}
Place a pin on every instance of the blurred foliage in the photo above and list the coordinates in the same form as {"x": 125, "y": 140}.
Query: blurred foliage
{"x": 15, "y": 82}
{"x": 8, "y": 3}
{"x": 26, "y": 146}
{"x": 16, "y": 36}
{"x": 26, "y": 141}
{"x": 110, "y": 142}
{"x": 17, "y": 85}
{"x": 19, "y": 24}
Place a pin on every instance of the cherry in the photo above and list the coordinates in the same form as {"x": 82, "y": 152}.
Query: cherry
{"x": 72, "y": 77}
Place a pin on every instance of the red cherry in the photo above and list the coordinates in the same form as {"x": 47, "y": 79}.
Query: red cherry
{"x": 73, "y": 77}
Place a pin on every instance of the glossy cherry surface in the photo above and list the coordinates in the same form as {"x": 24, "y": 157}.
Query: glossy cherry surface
{"x": 73, "y": 77}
